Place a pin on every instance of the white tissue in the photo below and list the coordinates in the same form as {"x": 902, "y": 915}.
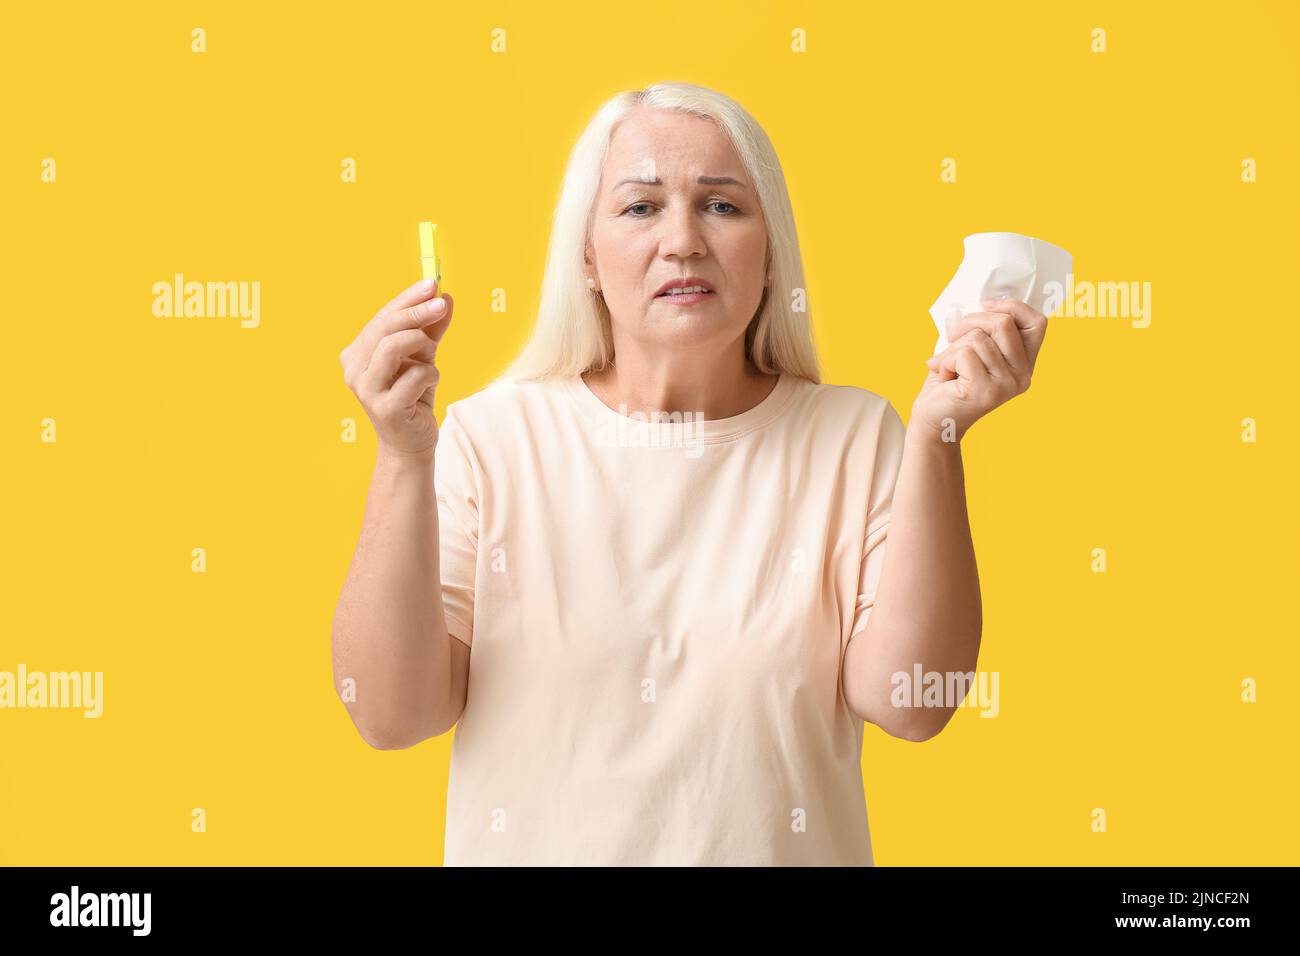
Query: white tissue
{"x": 1001, "y": 264}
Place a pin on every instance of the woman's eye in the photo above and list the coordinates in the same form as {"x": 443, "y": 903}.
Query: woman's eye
{"x": 731, "y": 208}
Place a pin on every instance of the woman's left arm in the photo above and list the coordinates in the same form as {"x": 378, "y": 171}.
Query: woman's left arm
{"x": 927, "y": 609}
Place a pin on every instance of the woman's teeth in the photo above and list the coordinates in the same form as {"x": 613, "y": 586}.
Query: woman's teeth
{"x": 684, "y": 291}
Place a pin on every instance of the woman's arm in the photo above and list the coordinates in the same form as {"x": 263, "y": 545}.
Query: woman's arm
{"x": 927, "y": 608}
{"x": 390, "y": 634}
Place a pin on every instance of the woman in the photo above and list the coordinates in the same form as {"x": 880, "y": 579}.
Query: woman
{"x": 679, "y": 625}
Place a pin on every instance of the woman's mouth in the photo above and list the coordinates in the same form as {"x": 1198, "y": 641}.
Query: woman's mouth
{"x": 686, "y": 296}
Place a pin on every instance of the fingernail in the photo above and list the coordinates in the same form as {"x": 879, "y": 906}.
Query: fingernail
{"x": 439, "y": 305}
{"x": 427, "y": 285}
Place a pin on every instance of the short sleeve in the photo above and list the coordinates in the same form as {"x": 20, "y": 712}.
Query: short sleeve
{"x": 456, "y": 486}
{"x": 889, "y": 459}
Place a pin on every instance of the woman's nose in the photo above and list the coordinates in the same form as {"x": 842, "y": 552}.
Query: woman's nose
{"x": 682, "y": 233}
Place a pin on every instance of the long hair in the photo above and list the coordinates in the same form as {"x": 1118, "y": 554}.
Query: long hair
{"x": 572, "y": 332}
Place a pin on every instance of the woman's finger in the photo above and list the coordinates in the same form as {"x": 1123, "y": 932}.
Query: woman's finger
{"x": 386, "y": 360}
{"x": 412, "y": 295}
{"x": 422, "y": 291}
{"x": 1001, "y": 375}
{"x": 435, "y": 331}
{"x": 971, "y": 374}
{"x": 413, "y": 384}
{"x": 1006, "y": 334}
{"x": 1031, "y": 323}
{"x": 953, "y": 358}
{"x": 414, "y": 318}
{"x": 947, "y": 359}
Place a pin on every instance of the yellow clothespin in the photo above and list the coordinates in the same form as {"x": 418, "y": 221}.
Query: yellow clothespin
{"x": 429, "y": 261}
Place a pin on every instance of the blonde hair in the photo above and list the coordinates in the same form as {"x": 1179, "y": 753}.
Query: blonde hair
{"x": 572, "y": 331}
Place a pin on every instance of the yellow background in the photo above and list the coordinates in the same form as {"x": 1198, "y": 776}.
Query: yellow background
{"x": 1118, "y": 690}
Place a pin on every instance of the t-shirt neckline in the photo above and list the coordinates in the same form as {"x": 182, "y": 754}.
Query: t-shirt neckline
{"x": 691, "y": 428}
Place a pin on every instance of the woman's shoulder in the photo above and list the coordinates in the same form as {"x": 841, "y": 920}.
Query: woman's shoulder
{"x": 856, "y": 421}
{"x": 850, "y": 404}
{"x": 501, "y": 402}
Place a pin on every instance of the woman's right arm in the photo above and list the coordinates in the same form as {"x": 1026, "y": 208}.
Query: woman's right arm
{"x": 400, "y": 675}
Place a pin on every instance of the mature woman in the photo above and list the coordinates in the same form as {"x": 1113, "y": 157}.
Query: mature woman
{"x": 679, "y": 623}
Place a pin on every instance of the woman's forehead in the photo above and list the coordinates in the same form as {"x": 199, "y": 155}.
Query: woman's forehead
{"x": 649, "y": 149}
{"x": 667, "y": 161}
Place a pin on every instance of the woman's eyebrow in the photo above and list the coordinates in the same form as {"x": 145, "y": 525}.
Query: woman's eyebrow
{"x": 706, "y": 180}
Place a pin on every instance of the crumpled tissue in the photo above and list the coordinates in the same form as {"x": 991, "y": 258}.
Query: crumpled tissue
{"x": 1001, "y": 265}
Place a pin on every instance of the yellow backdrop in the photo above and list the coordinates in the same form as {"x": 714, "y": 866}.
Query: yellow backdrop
{"x": 1161, "y": 150}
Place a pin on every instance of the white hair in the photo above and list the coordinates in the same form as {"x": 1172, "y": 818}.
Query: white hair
{"x": 572, "y": 332}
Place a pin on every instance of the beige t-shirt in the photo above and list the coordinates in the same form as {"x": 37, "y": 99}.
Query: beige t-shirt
{"x": 658, "y": 614}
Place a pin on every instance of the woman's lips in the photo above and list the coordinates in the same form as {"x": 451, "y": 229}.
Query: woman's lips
{"x": 686, "y": 298}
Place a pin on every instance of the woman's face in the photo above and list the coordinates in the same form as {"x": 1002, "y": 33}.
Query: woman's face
{"x": 674, "y": 201}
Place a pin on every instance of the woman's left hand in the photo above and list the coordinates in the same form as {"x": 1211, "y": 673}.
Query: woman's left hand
{"x": 990, "y": 359}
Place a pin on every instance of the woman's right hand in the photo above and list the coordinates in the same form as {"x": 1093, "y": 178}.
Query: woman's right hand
{"x": 389, "y": 367}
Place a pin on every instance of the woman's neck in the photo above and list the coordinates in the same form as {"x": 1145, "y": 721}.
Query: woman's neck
{"x": 709, "y": 391}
